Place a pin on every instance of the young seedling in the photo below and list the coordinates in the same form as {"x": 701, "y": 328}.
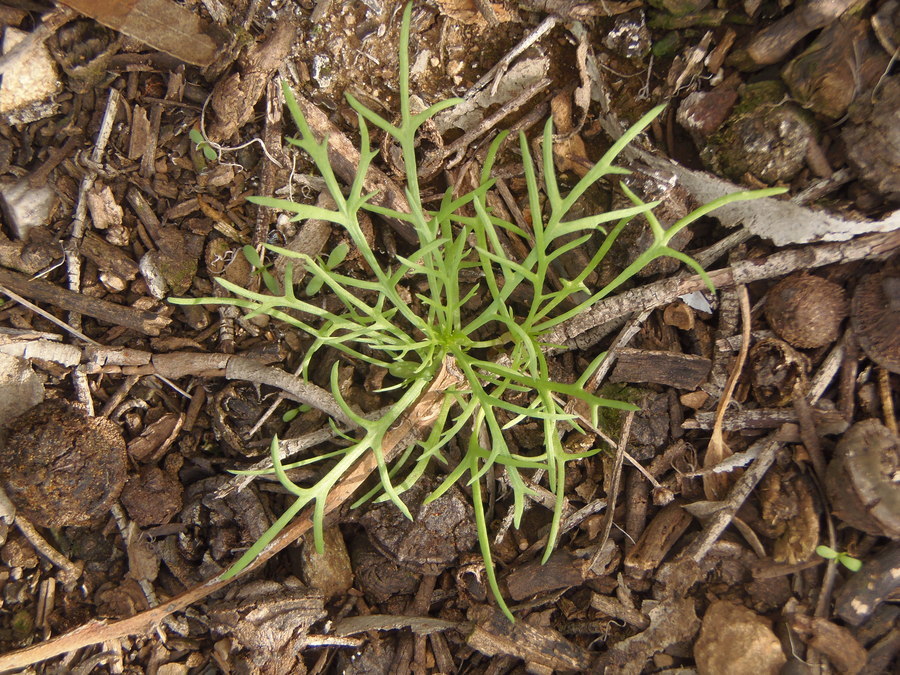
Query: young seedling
{"x": 496, "y": 343}
{"x": 203, "y": 145}
{"x": 847, "y": 560}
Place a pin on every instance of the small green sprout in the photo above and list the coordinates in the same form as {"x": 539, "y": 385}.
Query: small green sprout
{"x": 335, "y": 258}
{"x": 203, "y": 145}
{"x": 847, "y": 560}
{"x": 261, "y": 269}
{"x": 383, "y": 322}
{"x": 293, "y": 412}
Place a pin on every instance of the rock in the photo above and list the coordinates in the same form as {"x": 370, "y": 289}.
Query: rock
{"x": 29, "y": 82}
{"x": 701, "y": 113}
{"x": 20, "y": 388}
{"x": 842, "y": 63}
{"x": 26, "y": 207}
{"x": 736, "y": 641}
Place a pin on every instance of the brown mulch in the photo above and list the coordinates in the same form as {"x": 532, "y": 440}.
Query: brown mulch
{"x": 767, "y": 422}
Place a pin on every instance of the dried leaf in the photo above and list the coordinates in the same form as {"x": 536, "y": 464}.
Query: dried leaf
{"x": 160, "y": 23}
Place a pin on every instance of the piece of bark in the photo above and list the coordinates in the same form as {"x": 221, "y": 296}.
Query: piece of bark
{"x": 151, "y": 141}
{"x": 38, "y": 290}
{"x": 103, "y": 207}
{"x": 27, "y": 258}
{"x": 273, "y": 132}
{"x": 657, "y": 540}
{"x": 493, "y": 635}
{"x": 670, "y": 622}
{"x": 861, "y": 479}
{"x": 309, "y": 240}
{"x": 159, "y": 23}
{"x": 420, "y": 625}
{"x": 108, "y": 258}
{"x": 618, "y": 610}
{"x": 780, "y": 220}
{"x": 578, "y": 9}
{"x": 344, "y": 158}
{"x": 561, "y": 571}
{"x": 140, "y": 133}
{"x": 827, "y": 422}
{"x": 844, "y": 61}
{"x": 883, "y": 653}
{"x": 682, "y": 371}
{"x": 773, "y": 43}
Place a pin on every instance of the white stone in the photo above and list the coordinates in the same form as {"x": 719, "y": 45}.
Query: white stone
{"x": 29, "y": 81}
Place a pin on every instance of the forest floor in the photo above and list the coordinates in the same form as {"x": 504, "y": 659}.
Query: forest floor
{"x": 765, "y": 425}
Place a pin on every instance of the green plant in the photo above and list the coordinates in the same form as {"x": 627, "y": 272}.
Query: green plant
{"x": 847, "y": 560}
{"x": 203, "y": 145}
{"x": 378, "y": 323}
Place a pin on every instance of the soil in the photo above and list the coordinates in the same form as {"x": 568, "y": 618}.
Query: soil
{"x": 692, "y": 535}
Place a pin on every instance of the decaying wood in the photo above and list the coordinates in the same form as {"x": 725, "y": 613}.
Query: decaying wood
{"x": 657, "y": 540}
{"x": 682, "y": 371}
{"x": 783, "y": 222}
{"x": 108, "y": 258}
{"x": 50, "y": 23}
{"x": 844, "y": 651}
{"x": 38, "y": 290}
{"x": 613, "y": 478}
{"x": 617, "y": 609}
{"x": 578, "y": 10}
{"x": 73, "y": 258}
{"x": 309, "y": 240}
{"x": 828, "y": 422}
{"x": 773, "y": 43}
{"x": 864, "y": 591}
{"x": 739, "y": 492}
{"x": 98, "y": 359}
{"x": 670, "y": 623}
{"x": 717, "y": 449}
{"x": 560, "y": 571}
{"x": 459, "y": 146}
{"x": 420, "y": 625}
{"x": 273, "y": 132}
{"x": 494, "y": 635}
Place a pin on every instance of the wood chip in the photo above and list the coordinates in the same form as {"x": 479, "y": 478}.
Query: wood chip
{"x": 656, "y": 541}
{"x": 494, "y": 635}
{"x": 682, "y": 371}
{"x": 561, "y": 571}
